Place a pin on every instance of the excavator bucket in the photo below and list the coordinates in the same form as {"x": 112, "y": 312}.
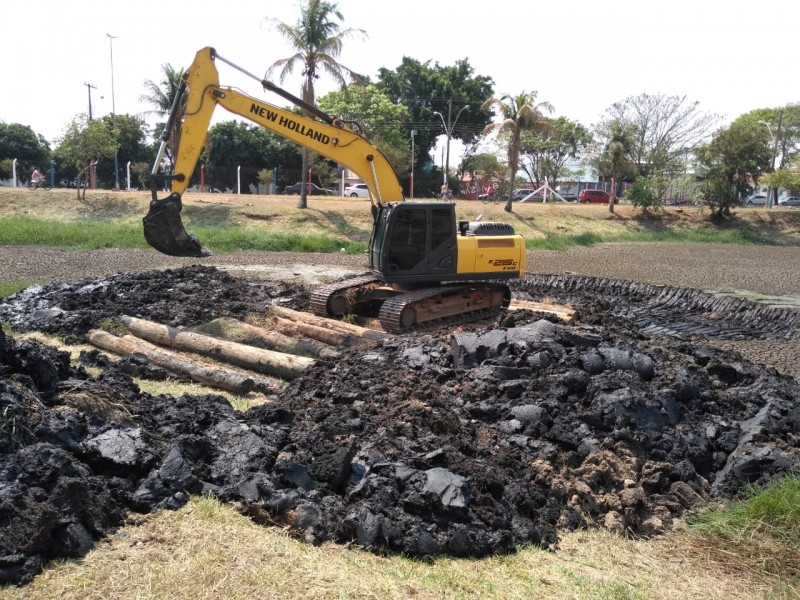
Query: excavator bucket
{"x": 164, "y": 231}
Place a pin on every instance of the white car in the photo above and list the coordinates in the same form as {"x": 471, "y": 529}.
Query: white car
{"x": 357, "y": 190}
{"x": 757, "y": 200}
{"x": 789, "y": 201}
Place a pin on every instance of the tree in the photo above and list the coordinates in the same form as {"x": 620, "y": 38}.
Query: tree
{"x": 518, "y": 114}
{"x": 317, "y": 40}
{"x": 546, "y": 150}
{"x": 784, "y": 179}
{"x": 161, "y": 96}
{"x": 781, "y": 130}
{"x": 20, "y": 142}
{"x": 84, "y": 142}
{"x": 130, "y": 134}
{"x": 661, "y": 127}
{"x": 732, "y": 164}
{"x": 374, "y": 115}
{"x": 615, "y": 162}
{"x": 233, "y": 144}
{"x": 426, "y": 89}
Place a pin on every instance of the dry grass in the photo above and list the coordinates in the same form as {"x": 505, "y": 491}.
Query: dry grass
{"x": 208, "y": 550}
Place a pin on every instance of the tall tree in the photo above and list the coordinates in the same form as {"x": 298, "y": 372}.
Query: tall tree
{"x": 662, "y": 127}
{"x": 616, "y": 162}
{"x": 781, "y": 130}
{"x": 426, "y": 89}
{"x": 84, "y": 142}
{"x": 374, "y": 115}
{"x": 317, "y": 39}
{"x": 233, "y": 144}
{"x": 161, "y": 96}
{"x": 732, "y": 163}
{"x": 545, "y": 151}
{"x": 130, "y": 134}
{"x": 20, "y": 142}
{"x": 518, "y": 114}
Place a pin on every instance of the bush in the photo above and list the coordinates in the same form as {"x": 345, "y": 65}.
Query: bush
{"x": 645, "y": 193}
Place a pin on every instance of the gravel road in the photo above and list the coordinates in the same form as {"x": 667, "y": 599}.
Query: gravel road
{"x": 764, "y": 273}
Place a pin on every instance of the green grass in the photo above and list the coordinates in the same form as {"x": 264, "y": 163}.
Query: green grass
{"x": 124, "y": 233}
{"x": 8, "y": 288}
{"x": 772, "y": 512}
{"x": 86, "y": 235}
{"x": 93, "y": 235}
{"x": 693, "y": 236}
{"x": 228, "y": 240}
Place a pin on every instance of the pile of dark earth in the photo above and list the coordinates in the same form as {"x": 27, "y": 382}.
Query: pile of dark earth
{"x": 463, "y": 442}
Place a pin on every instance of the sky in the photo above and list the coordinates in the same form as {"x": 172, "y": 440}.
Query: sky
{"x": 580, "y": 55}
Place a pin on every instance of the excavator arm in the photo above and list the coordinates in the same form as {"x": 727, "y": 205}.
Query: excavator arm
{"x": 325, "y": 135}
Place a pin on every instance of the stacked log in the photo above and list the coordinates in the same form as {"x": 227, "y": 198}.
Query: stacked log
{"x": 270, "y": 362}
{"x": 290, "y": 332}
{"x": 221, "y": 378}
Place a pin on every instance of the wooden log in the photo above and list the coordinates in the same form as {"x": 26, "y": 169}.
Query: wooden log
{"x": 340, "y": 326}
{"x": 565, "y": 313}
{"x": 321, "y": 334}
{"x": 277, "y": 364}
{"x": 294, "y": 345}
{"x": 223, "y": 379}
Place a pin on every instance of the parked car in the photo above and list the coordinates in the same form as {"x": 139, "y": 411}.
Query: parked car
{"x": 312, "y": 189}
{"x": 756, "y": 200}
{"x": 72, "y": 183}
{"x": 522, "y": 193}
{"x": 789, "y": 201}
{"x": 357, "y": 190}
{"x": 600, "y": 196}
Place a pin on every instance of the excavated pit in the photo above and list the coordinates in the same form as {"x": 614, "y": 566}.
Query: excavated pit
{"x": 463, "y": 442}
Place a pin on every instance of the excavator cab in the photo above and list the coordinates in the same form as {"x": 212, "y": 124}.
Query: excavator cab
{"x": 414, "y": 242}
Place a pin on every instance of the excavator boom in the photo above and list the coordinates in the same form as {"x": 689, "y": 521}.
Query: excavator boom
{"x": 198, "y": 97}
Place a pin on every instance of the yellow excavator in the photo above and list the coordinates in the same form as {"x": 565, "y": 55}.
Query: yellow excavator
{"x": 424, "y": 265}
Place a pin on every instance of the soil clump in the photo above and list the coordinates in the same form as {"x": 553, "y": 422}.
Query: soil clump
{"x": 465, "y": 441}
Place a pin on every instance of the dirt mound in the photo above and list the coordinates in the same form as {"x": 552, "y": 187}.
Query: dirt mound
{"x": 185, "y": 297}
{"x": 466, "y": 442}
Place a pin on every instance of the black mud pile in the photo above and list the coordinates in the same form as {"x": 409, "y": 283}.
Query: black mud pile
{"x": 464, "y": 443}
{"x": 177, "y": 297}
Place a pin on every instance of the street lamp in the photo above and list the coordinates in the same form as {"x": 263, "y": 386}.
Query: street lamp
{"x": 111, "y": 39}
{"x": 774, "y": 137}
{"x": 448, "y": 129}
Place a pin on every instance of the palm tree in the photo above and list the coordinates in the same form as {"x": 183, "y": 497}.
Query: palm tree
{"x": 317, "y": 40}
{"x": 519, "y": 113}
{"x": 617, "y": 155}
{"x": 161, "y": 96}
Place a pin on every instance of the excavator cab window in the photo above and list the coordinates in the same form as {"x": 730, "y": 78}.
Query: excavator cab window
{"x": 415, "y": 242}
{"x": 407, "y": 242}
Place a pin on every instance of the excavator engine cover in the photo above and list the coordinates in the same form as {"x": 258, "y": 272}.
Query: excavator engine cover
{"x": 164, "y": 230}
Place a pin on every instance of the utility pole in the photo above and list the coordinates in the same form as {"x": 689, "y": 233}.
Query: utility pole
{"x": 90, "y": 87}
{"x": 111, "y": 39}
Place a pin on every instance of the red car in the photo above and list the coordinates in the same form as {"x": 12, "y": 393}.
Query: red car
{"x": 594, "y": 196}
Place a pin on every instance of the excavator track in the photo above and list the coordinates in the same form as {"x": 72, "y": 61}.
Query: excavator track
{"x": 335, "y": 293}
{"x": 442, "y": 304}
